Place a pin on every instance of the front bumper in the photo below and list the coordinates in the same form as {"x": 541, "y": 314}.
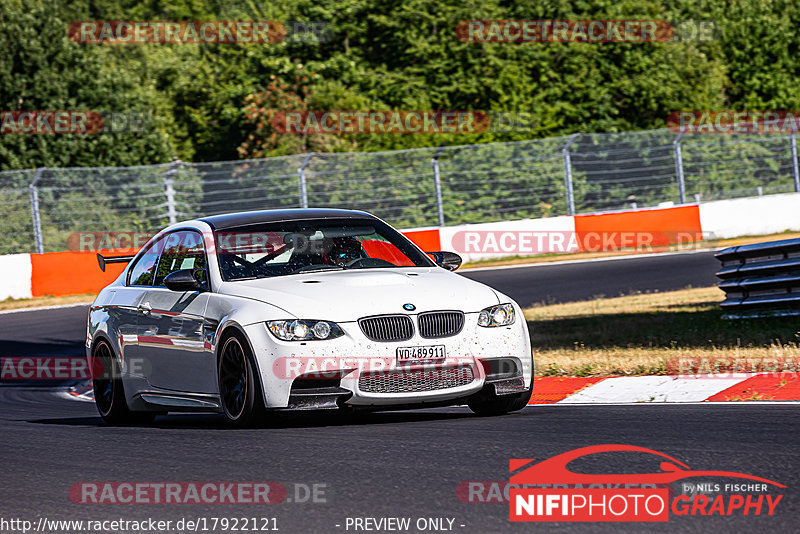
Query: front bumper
{"x": 367, "y": 374}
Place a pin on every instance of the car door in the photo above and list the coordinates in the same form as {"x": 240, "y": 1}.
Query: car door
{"x": 126, "y": 312}
{"x": 171, "y": 323}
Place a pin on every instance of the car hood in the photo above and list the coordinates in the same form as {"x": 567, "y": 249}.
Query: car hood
{"x": 343, "y": 296}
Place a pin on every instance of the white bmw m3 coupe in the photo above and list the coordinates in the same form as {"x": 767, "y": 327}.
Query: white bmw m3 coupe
{"x": 248, "y": 313}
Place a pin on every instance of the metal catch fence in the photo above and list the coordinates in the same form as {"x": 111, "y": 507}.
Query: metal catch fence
{"x": 41, "y": 209}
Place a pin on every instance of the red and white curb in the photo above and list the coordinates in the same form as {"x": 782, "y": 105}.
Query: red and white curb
{"x": 753, "y": 387}
{"x": 667, "y": 389}
{"x": 80, "y": 392}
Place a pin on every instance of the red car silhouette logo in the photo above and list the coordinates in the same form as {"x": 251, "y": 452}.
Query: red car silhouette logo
{"x": 554, "y": 470}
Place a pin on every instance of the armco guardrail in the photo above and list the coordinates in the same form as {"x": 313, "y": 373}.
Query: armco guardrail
{"x": 762, "y": 279}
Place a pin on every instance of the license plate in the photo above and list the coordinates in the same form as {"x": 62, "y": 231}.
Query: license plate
{"x": 425, "y": 353}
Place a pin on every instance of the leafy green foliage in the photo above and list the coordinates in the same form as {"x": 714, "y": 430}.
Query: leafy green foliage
{"x": 379, "y": 54}
{"x": 41, "y": 69}
{"x": 215, "y": 102}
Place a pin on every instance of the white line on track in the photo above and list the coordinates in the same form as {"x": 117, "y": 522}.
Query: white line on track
{"x": 54, "y": 307}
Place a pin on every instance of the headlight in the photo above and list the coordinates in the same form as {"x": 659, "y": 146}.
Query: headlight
{"x": 304, "y": 330}
{"x": 502, "y": 315}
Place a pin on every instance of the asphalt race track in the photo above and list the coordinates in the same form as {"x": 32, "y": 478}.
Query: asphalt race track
{"x": 392, "y": 464}
{"x": 579, "y": 280}
{"x": 403, "y": 464}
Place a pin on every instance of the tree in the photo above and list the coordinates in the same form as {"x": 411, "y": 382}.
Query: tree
{"x": 42, "y": 70}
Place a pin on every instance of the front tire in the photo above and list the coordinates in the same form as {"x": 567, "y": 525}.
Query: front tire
{"x": 239, "y": 388}
{"x": 109, "y": 394}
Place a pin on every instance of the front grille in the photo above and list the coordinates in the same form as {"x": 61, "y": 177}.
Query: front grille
{"x": 440, "y": 324}
{"x": 387, "y": 327}
{"x": 415, "y": 381}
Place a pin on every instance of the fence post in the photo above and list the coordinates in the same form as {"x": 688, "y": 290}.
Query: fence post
{"x": 169, "y": 190}
{"x": 568, "y": 175}
{"x": 795, "y": 169}
{"x": 679, "y": 169}
{"x": 437, "y": 184}
{"x": 301, "y": 177}
{"x": 37, "y": 218}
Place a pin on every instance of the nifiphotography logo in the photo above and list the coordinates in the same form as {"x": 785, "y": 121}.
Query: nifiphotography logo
{"x": 549, "y": 491}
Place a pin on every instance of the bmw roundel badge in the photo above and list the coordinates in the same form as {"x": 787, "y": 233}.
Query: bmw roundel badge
{"x": 409, "y": 307}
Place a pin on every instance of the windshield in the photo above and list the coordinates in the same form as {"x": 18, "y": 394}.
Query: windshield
{"x": 294, "y": 247}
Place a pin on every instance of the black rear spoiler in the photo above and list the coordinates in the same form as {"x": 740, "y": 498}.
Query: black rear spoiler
{"x": 102, "y": 260}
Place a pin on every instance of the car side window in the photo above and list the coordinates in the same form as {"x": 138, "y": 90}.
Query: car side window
{"x": 182, "y": 250}
{"x": 142, "y": 272}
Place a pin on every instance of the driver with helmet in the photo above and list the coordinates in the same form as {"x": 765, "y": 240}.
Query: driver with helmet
{"x": 343, "y": 251}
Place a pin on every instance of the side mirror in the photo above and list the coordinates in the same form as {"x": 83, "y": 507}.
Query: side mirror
{"x": 447, "y": 260}
{"x": 184, "y": 280}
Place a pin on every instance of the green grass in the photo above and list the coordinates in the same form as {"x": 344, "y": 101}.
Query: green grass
{"x": 657, "y": 333}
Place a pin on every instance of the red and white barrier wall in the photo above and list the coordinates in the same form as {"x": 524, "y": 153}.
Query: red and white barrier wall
{"x": 15, "y": 276}
{"x": 71, "y": 273}
{"x": 639, "y": 229}
{"x": 751, "y": 216}
{"x": 53, "y": 273}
